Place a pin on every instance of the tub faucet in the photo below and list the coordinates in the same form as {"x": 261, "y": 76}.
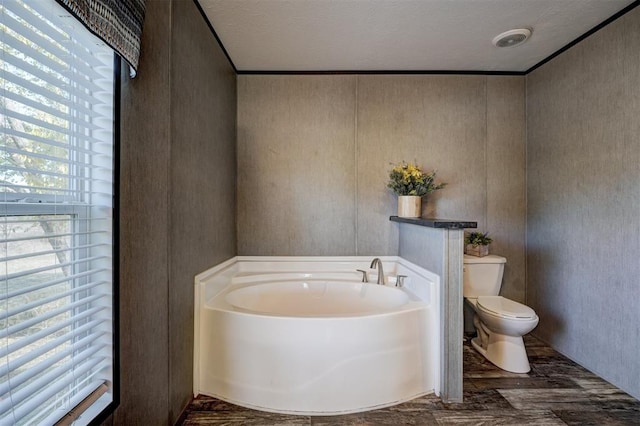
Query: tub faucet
{"x": 378, "y": 263}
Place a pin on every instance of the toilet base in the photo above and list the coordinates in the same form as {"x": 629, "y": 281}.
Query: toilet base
{"x": 505, "y": 352}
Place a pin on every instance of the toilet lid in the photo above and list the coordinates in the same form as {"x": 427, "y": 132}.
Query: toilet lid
{"x": 503, "y": 307}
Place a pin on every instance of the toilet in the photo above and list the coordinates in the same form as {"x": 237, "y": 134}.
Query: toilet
{"x": 500, "y": 322}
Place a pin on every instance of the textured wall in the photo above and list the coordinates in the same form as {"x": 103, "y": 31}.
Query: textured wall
{"x": 314, "y": 154}
{"x": 296, "y": 165}
{"x": 202, "y": 180}
{"x": 505, "y": 160}
{"x": 177, "y": 204}
{"x": 144, "y": 221}
{"x": 583, "y": 194}
{"x": 438, "y": 121}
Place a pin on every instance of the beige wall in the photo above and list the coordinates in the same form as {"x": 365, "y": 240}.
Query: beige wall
{"x": 314, "y": 154}
{"x": 177, "y": 204}
{"x": 583, "y": 192}
{"x": 296, "y": 188}
{"x": 202, "y": 180}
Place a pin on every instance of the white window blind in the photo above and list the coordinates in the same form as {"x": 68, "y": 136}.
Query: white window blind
{"x": 56, "y": 190}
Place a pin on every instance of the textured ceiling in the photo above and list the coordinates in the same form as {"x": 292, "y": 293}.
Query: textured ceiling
{"x": 399, "y": 35}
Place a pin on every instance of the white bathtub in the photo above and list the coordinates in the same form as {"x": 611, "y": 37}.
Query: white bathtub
{"x": 303, "y": 335}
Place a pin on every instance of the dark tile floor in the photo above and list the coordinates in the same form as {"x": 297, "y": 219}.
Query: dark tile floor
{"x": 557, "y": 391}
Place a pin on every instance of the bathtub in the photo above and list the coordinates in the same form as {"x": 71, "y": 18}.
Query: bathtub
{"x": 304, "y": 335}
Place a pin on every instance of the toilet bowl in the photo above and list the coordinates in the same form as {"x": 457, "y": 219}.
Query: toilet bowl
{"x": 500, "y": 322}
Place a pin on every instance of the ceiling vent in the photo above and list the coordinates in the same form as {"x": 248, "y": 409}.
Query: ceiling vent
{"x": 512, "y": 38}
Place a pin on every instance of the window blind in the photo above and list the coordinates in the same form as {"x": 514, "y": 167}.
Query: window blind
{"x": 56, "y": 190}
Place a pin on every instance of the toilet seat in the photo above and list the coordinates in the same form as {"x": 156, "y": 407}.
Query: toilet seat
{"x": 505, "y": 308}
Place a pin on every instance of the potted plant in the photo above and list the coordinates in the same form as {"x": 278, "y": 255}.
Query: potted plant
{"x": 477, "y": 244}
{"x": 410, "y": 184}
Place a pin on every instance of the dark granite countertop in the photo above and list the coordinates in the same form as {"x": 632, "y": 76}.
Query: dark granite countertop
{"x": 436, "y": 223}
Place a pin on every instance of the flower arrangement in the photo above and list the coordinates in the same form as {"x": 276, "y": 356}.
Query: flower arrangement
{"x": 408, "y": 179}
{"x": 478, "y": 239}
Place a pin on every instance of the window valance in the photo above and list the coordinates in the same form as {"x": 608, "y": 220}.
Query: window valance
{"x": 117, "y": 22}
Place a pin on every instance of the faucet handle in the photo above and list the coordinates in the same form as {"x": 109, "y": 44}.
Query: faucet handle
{"x": 365, "y": 278}
{"x": 400, "y": 280}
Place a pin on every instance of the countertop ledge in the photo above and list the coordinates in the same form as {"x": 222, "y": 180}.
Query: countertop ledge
{"x": 435, "y": 223}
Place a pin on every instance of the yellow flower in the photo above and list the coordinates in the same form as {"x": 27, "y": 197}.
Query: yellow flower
{"x": 408, "y": 179}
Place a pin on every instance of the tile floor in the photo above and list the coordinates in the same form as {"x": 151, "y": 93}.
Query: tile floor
{"x": 557, "y": 391}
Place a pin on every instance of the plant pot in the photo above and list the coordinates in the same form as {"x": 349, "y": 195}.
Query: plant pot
{"x": 479, "y": 251}
{"x": 409, "y": 206}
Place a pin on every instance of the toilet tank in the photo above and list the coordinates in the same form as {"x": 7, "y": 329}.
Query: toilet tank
{"x": 483, "y": 275}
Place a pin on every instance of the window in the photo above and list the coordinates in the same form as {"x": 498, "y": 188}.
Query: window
{"x": 56, "y": 192}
